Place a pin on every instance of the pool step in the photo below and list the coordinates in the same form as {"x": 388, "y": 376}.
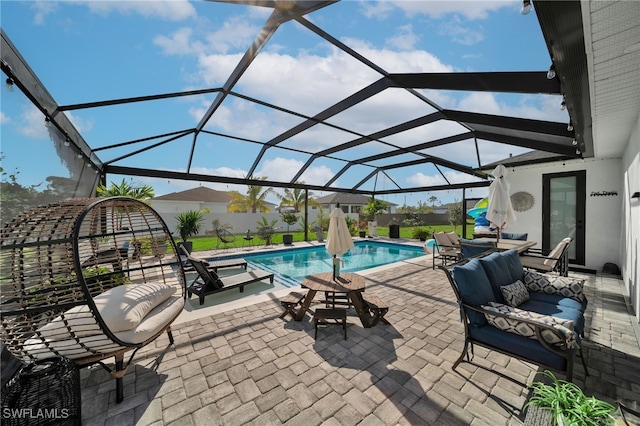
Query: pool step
{"x": 279, "y": 278}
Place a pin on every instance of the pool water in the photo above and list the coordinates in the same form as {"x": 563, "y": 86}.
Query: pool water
{"x": 292, "y": 265}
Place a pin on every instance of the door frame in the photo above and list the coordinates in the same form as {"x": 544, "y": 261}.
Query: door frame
{"x": 581, "y": 202}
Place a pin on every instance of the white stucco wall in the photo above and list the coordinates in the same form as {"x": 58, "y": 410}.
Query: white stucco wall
{"x": 631, "y": 219}
{"x": 603, "y": 214}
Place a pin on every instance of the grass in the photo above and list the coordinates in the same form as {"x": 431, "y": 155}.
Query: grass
{"x": 210, "y": 242}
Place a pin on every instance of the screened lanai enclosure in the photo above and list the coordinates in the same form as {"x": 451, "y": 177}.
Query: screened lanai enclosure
{"x": 282, "y": 94}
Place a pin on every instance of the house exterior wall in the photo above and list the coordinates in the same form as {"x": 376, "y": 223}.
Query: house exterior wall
{"x": 630, "y": 235}
{"x": 603, "y": 214}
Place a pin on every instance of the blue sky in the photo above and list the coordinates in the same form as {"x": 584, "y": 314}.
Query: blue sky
{"x": 100, "y": 50}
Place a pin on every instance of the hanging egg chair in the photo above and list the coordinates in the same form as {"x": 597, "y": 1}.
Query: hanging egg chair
{"x": 87, "y": 280}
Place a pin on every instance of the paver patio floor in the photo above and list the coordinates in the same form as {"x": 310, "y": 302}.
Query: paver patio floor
{"x": 247, "y": 366}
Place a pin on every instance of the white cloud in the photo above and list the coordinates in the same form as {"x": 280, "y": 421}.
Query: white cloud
{"x": 4, "y": 119}
{"x": 420, "y": 179}
{"x": 32, "y": 124}
{"x": 406, "y": 39}
{"x": 284, "y": 169}
{"x": 178, "y": 43}
{"x": 42, "y": 10}
{"x": 461, "y": 32}
{"x": 437, "y": 8}
{"x": 171, "y": 10}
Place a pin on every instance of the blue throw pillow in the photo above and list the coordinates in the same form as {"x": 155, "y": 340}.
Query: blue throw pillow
{"x": 514, "y": 236}
{"x": 512, "y": 260}
{"x": 498, "y": 273}
{"x": 474, "y": 288}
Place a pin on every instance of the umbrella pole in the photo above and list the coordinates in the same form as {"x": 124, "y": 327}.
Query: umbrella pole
{"x": 334, "y": 267}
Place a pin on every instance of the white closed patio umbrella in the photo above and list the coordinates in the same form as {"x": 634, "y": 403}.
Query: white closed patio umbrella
{"x": 500, "y": 210}
{"x": 339, "y": 239}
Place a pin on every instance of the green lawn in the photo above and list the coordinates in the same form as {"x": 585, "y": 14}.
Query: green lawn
{"x": 209, "y": 243}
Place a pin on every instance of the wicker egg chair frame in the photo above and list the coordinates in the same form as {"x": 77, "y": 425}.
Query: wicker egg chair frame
{"x": 86, "y": 280}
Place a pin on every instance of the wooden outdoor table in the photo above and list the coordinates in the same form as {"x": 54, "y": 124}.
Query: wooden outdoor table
{"x": 504, "y": 244}
{"x": 351, "y": 284}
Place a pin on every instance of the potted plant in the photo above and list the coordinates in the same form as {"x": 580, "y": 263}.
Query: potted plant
{"x": 372, "y": 208}
{"x": 289, "y": 218}
{"x": 420, "y": 233}
{"x": 567, "y": 404}
{"x": 189, "y": 223}
{"x": 362, "y": 226}
{"x": 266, "y": 230}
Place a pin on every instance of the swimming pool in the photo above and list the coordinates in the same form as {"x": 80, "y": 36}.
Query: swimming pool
{"x": 290, "y": 266}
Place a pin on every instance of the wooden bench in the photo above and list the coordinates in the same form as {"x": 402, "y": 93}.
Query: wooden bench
{"x": 290, "y": 301}
{"x": 325, "y": 316}
{"x": 333, "y": 298}
{"x": 377, "y": 307}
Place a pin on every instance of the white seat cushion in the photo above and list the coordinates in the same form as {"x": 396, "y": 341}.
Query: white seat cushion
{"x": 123, "y": 307}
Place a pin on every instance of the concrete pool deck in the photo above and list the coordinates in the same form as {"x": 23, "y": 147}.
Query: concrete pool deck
{"x": 244, "y": 365}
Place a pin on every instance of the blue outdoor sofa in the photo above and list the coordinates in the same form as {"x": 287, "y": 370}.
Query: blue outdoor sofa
{"x": 535, "y": 317}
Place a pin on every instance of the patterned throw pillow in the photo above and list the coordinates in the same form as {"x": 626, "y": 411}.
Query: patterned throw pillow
{"x": 551, "y": 284}
{"x": 515, "y": 294}
{"x": 514, "y": 324}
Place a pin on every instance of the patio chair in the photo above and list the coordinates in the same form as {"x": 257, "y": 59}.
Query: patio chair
{"x": 225, "y": 237}
{"x": 208, "y": 281}
{"x": 444, "y": 249}
{"x": 63, "y": 297}
{"x": 556, "y": 261}
{"x": 474, "y": 248}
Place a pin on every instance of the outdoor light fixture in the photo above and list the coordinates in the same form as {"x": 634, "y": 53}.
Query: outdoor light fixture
{"x": 563, "y": 104}
{"x": 9, "y": 84}
{"x": 578, "y": 151}
{"x": 569, "y": 126}
{"x": 551, "y": 74}
{"x": 526, "y": 7}
{"x": 67, "y": 142}
{"x": 574, "y": 142}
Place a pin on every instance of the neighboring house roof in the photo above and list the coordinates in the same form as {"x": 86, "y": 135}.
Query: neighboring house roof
{"x": 533, "y": 157}
{"x": 201, "y": 194}
{"x": 346, "y": 198}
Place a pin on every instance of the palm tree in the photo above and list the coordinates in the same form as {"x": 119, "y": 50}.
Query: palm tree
{"x": 133, "y": 190}
{"x": 254, "y": 201}
{"x": 295, "y": 198}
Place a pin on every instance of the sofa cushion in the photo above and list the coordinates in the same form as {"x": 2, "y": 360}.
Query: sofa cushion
{"x": 514, "y": 323}
{"x": 558, "y": 299}
{"x": 514, "y": 236}
{"x": 559, "y": 311}
{"x": 552, "y": 284}
{"x": 123, "y": 307}
{"x": 474, "y": 288}
{"x": 512, "y": 261}
{"x": 519, "y": 346}
{"x": 498, "y": 273}
{"x": 515, "y": 294}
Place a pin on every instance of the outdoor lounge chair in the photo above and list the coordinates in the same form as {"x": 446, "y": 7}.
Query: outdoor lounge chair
{"x": 208, "y": 281}
{"x": 444, "y": 249}
{"x": 225, "y": 237}
{"x": 213, "y": 264}
{"x": 555, "y": 261}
